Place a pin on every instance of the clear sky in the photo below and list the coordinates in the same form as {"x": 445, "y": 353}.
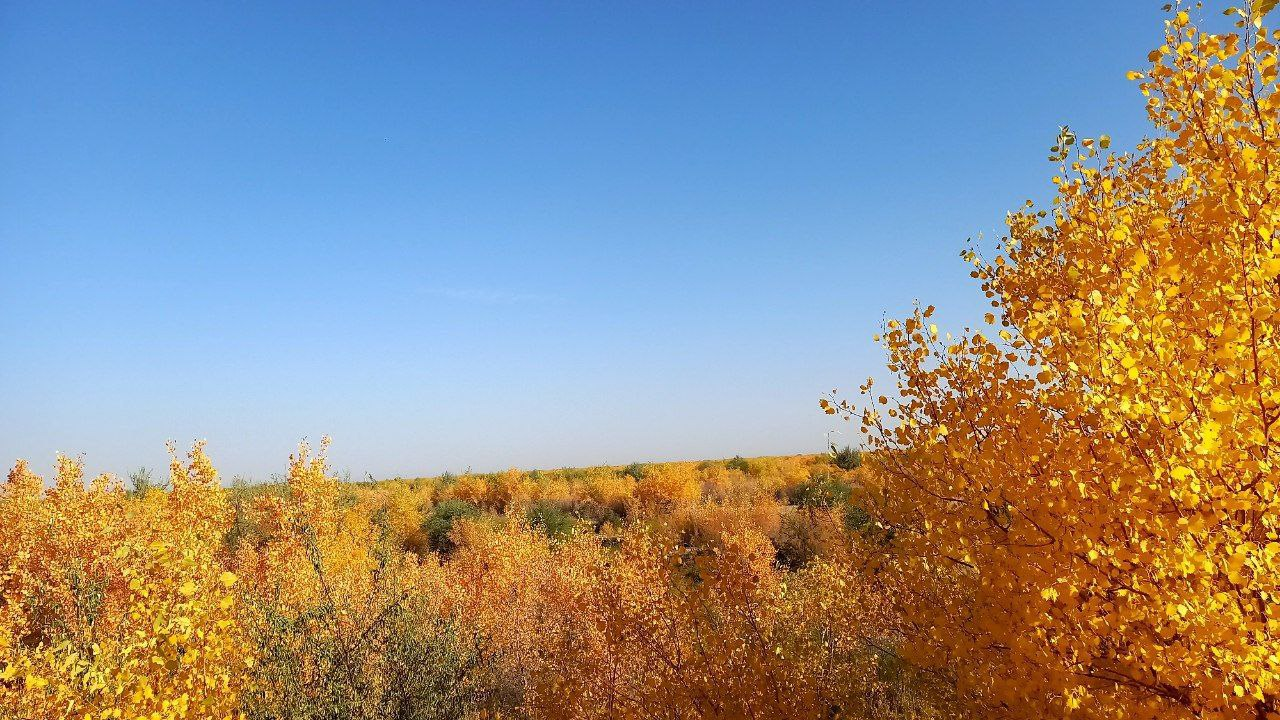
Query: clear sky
{"x": 491, "y": 234}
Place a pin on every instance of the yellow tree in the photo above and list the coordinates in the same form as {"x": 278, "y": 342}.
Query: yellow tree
{"x": 117, "y": 608}
{"x": 1089, "y": 490}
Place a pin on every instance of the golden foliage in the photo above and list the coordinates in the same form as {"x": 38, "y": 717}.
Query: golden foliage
{"x": 309, "y": 597}
{"x": 1089, "y": 492}
{"x": 111, "y": 607}
{"x": 1074, "y": 516}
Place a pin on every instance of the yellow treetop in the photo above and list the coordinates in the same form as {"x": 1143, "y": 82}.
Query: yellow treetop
{"x": 1090, "y": 484}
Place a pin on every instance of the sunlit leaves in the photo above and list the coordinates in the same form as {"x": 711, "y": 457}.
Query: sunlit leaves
{"x": 111, "y": 606}
{"x": 1095, "y": 489}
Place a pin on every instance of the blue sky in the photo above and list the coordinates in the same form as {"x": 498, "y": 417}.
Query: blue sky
{"x": 490, "y": 234}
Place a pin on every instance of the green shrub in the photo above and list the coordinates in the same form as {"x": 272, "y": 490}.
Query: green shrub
{"x": 635, "y": 470}
{"x": 401, "y": 662}
{"x": 141, "y": 482}
{"x": 846, "y": 458}
{"x": 856, "y": 519}
{"x": 820, "y": 491}
{"x": 552, "y": 519}
{"x": 428, "y": 674}
{"x": 439, "y": 524}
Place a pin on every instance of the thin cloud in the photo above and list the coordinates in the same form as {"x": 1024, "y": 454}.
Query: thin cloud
{"x": 487, "y": 296}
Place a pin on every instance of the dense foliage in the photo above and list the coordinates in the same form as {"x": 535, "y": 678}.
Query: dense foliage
{"x": 1074, "y": 516}
{"x": 668, "y": 590}
{"x": 1089, "y": 496}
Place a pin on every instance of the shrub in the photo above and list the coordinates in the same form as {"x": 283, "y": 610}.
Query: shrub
{"x": 141, "y": 482}
{"x": 635, "y": 470}
{"x": 439, "y": 524}
{"x": 599, "y": 515}
{"x": 797, "y": 541}
{"x": 667, "y": 487}
{"x": 820, "y": 491}
{"x": 856, "y": 519}
{"x": 408, "y": 669}
{"x": 846, "y": 458}
{"x": 552, "y": 519}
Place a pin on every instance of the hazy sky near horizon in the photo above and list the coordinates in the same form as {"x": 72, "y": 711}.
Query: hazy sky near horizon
{"x": 505, "y": 234}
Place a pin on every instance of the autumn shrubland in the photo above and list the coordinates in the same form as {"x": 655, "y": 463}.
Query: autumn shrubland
{"x": 654, "y": 591}
{"x": 1067, "y": 511}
